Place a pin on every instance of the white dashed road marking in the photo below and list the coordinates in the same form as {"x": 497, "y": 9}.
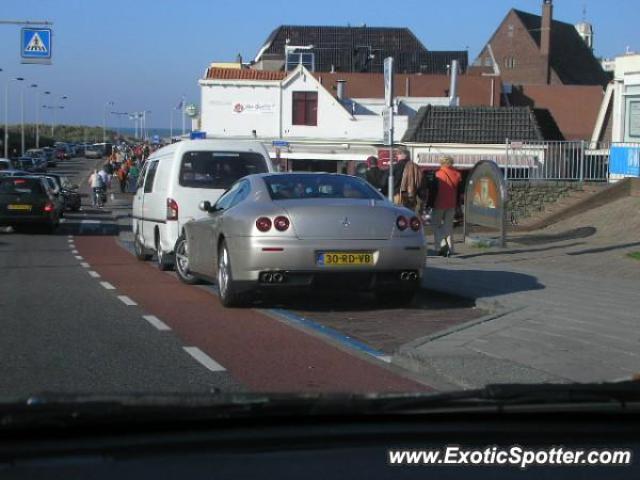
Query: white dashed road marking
{"x": 90, "y": 221}
{"x": 156, "y": 322}
{"x": 75, "y": 252}
{"x": 78, "y": 257}
{"x": 94, "y": 274}
{"x": 84, "y": 264}
{"x": 126, "y": 300}
{"x": 204, "y": 359}
{"x": 106, "y": 285}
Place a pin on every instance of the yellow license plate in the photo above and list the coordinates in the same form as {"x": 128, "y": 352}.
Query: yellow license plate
{"x": 18, "y": 206}
{"x": 334, "y": 259}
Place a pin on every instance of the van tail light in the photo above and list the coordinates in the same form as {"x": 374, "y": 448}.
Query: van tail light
{"x": 415, "y": 224}
{"x": 281, "y": 223}
{"x": 402, "y": 223}
{"x": 263, "y": 224}
{"x": 49, "y": 207}
{"x": 172, "y": 209}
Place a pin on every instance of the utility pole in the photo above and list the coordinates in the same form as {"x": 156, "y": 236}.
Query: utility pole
{"x": 104, "y": 120}
{"x": 38, "y": 106}
{"x": 6, "y": 114}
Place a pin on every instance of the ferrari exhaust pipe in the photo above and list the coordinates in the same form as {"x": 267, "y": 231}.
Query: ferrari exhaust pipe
{"x": 413, "y": 276}
{"x": 404, "y": 275}
{"x": 278, "y": 278}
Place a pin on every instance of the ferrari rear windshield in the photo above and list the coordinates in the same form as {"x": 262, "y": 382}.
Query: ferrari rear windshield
{"x": 218, "y": 170}
{"x": 287, "y": 187}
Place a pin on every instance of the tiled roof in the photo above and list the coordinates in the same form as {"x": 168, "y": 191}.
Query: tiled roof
{"x": 242, "y": 74}
{"x": 570, "y": 57}
{"x": 487, "y": 125}
{"x": 362, "y": 49}
{"x": 472, "y": 90}
{"x": 574, "y": 107}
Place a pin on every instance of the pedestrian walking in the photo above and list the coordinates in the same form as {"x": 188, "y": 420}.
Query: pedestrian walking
{"x": 376, "y": 176}
{"x": 410, "y": 184}
{"x": 133, "y": 178}
{"x": 122, "y": 177}
{"x": 398, "y": 173}
{"x": 445, "y": 192}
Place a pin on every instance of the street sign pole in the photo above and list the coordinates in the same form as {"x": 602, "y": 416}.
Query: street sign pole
{"x": 388, "y": 118}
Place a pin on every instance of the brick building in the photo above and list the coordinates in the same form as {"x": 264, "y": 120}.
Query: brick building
{"x": 529, "y": 49}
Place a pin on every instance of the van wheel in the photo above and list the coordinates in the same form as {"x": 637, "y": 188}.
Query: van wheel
{"x": 182, "y": 262}
{"x": 229, "y": 296}
{"x": 139, "y": 249}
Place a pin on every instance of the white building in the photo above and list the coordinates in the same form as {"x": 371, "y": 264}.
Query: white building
{"x": 294, "y": 109}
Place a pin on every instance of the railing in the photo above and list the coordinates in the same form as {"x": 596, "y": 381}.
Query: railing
{"x": 526, "y": 161}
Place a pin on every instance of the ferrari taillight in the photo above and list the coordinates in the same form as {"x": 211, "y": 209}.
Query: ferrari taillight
{"x": 402, "y": 223}
{"x": 415, "y": 224}
{"x": 281, "y": 223}
{"x": 263, "y": 224}
{"x": 49, "y": 207}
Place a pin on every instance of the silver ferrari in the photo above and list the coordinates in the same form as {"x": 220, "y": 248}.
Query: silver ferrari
{"x": 279, "y": 231}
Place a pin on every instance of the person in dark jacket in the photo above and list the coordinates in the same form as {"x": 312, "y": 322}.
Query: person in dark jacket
{"x": 375, "y": 176}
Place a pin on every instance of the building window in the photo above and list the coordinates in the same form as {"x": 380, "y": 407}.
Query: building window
{"x": 296, "y": 58}
{"x": 510, "y": 62}
{"x": 305, "y": 108}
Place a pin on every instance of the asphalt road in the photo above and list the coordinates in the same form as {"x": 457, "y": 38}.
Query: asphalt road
{"x": 82, "y": 315}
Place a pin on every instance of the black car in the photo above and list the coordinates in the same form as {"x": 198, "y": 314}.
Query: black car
{"x": 69, "y": 191}
{"x": 28, "y": 201}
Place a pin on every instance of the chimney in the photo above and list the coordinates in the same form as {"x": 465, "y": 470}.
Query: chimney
{"x": 453, "y": 88}
{"x": 545, "y": 35}
{"x": 341, "y": 87}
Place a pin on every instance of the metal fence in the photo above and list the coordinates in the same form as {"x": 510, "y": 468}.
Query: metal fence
{"x": 524, "y": 161}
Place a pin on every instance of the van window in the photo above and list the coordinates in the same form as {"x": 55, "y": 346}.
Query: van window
{"x": 151, "y": 175}
{"x": 218, "y": 170}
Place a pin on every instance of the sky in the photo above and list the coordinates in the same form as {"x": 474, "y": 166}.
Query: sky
{"x": 147, "y": 54}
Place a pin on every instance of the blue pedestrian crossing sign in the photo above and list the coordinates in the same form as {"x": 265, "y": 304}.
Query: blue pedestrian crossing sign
{"x": 35, "y": 45}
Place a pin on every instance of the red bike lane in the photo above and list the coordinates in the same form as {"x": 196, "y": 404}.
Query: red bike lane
{"x": 262, "y": 353}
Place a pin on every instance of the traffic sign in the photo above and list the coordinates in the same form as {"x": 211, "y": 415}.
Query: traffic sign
{"x": 387, "y": 126}
{"x": 35, "y": 45}
{"x": 280, "y": 143}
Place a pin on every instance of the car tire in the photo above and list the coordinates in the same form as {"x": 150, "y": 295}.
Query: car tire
{"x": 182, "y": 262}
{"x": 229, "y": 295}
{"x": 162, "y": 259}
{"x": 139, "y": 249}
{"x": 395, "y": 298}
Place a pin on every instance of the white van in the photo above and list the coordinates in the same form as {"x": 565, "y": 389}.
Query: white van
{"x": 176, "y": 178}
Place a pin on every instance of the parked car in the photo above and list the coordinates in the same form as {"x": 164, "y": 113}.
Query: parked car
{"x": 13, "y": 173}
{"x": 27, "y": 164}
{"x": 28, "y": 201}
{"x": 5, "y": 164}
{"x": 93, "y": 152}
{"x": 176, "y": 178}
{"x": 52, "y": 161}
{"x": 69, "y": 191}
{"x": 63, "y": 152}
{"x": 290, "y": 231}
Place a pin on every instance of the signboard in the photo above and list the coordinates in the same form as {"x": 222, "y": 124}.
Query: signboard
{"x": 155, "y": 139}
{"x": 198, "y": 135}
{"x": 388, "y": 81}
{"x": 383, "y": 157}
{"x": 280, "y": 143}
{"x": 387, "y": 126}
{"x": 191, "y": 110}
{"x": 634, "y": 119}
{"x": 35, "y": 45}
{"x": 485, "y": 198}
{"x": 624, "y": 161}
{"x": 252, "y": 108}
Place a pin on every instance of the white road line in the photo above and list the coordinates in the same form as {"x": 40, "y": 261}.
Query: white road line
{"x": 126, "y": 300}
{"x": 78, "y": 257}
{"x": 69, "y": 236}
{"x": 106, "y": 285}
{"x": 156, "y": 322}
{"x": 84, "y": 264}
{"x": 91, "y": 221}
{"x": 75, "y": 252}
{"x": 385, "y": 358}
{"x": 204, "y": 359}
{"x": 94, "y": 274}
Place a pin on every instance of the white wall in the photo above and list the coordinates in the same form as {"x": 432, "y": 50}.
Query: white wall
{"x": 219, "y": 119}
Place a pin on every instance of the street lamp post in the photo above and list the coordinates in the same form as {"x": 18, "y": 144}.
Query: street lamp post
{"x": 6, "y": 114}
{"x": 110, "y": 103}
{"x": 33, "y": 85}
{"x": 38, "y": 117}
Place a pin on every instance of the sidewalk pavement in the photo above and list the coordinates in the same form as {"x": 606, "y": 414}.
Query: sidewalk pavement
{"x": 563, "y": 310}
